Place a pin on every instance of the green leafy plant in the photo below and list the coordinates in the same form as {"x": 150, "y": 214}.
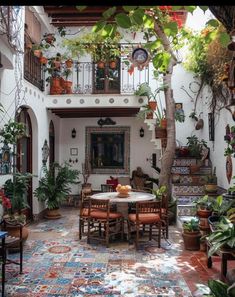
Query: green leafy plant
{"x": 159, "y": 192}
{"x": 191, "y": 226}
{"x": 204, "y": 202}
{"x": 66, "y": 73}
{"x": 195, "y": 146}
{"x": 99, "y": 47}
{"x": 12, "y": 131}
{"x": 15, "y": 189}
{"x": 145, "y": 90}
{"x": 55, "y": 185}
{"x": 222, "y": 236}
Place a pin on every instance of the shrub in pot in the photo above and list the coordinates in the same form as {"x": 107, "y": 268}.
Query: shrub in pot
{"x": 54, "y": 187}
{"x": 191, "y": 235}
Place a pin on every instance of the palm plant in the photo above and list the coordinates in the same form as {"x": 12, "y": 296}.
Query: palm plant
{"x": 55, "y": 185}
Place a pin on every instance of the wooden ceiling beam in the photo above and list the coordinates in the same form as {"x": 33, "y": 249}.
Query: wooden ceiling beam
{"x": 73, "y": 9}
{"x": 94, "y": 112}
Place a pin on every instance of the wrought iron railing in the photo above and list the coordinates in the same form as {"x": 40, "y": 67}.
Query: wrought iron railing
{"x": 33, "y": 71}
{"x": 85, "y": 79}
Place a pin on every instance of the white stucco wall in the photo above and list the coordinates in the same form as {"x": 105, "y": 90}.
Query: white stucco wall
{"x": 140, "y": 148}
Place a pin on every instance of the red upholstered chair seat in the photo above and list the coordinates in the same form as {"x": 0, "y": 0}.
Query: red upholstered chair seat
{"x": 145, "y": 218}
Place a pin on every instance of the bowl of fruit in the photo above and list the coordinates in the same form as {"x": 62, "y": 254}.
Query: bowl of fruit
{"x": 123, "y": 191}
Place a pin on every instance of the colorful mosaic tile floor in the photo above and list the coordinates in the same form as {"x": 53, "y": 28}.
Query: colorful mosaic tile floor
{"x": 57, "y": 264}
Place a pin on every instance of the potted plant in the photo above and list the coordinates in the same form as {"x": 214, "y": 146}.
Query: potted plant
{"x": 67, "y": 84}
{"x": 211, "y": 182}
{"x": 53, "y": 71}
{"x": 195, "y": 146}
{"x": 15, "y": 190}
{"x": 54, "y": 186}
{"x": 191, "y": 235}
{"x": 204, "y": 206}
{"x": 222, "y": 237}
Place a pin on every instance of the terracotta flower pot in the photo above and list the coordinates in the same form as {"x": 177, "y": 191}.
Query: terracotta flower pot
{"x": 152, "y": 105}
{"x": 100, "y": 64}
{"x": 163, "y": 123}
{"x": 160, "y": 132}
{"x": 112, "y": 64}
{"x": 43, "y": 60}
{"x": 191, "y": 240}
{"x": 211, "y": 188}
{"x": 69, "y": 63}
{"x": 52, "y": 214}
{"x": 55, "y": 86}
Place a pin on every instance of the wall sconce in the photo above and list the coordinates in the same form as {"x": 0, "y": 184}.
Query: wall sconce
{"x": 73, "y": 133}
{"x": 141, "y": 132}
{"x": 231, "y": 107}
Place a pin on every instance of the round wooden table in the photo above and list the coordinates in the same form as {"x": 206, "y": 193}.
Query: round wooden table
{"x": 122, "y": 203}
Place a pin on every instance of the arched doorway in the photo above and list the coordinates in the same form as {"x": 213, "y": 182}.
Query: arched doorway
{"x": 51, "y": 143}
{"x": 24, "y": 156}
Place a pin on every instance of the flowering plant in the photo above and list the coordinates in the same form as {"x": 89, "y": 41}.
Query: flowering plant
{"x": 7, "y": 210}
{"x": 4, "y": 200}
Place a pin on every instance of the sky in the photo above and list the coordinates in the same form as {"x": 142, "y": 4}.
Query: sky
{"x": 197, "y": 20}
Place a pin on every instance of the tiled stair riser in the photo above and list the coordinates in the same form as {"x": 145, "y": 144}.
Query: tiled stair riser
{"x": 179, "y": 190}
{"x": 184, "y": 162}
{"x": 186, "y": 210}
{"x": 188, "y": 179}
{"x": 180, "y": 170}
{"x": 184, "y": 200}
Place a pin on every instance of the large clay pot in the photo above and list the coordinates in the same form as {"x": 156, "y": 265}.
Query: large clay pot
{"x": 53, "y": 214}
{"x": 15, "y": 232}
{"x": 68, "y": 87}
{"x": 191, "y": 240}
{"x": 55, "y": 87}
{"x": 152, "y": 105}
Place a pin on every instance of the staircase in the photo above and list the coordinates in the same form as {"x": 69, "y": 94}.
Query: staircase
{"x": 188, "y": 179}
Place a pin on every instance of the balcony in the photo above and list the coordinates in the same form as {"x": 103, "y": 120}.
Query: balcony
{"x": 88, "y": 78}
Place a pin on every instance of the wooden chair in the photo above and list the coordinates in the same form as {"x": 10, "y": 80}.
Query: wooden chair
{"x": 103, "y": 223}
{"x": 10, "y": 242}
{"x": 146, "y": 217}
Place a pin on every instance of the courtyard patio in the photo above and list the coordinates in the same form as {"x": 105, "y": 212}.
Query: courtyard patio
{"x": 57, "y": 263}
